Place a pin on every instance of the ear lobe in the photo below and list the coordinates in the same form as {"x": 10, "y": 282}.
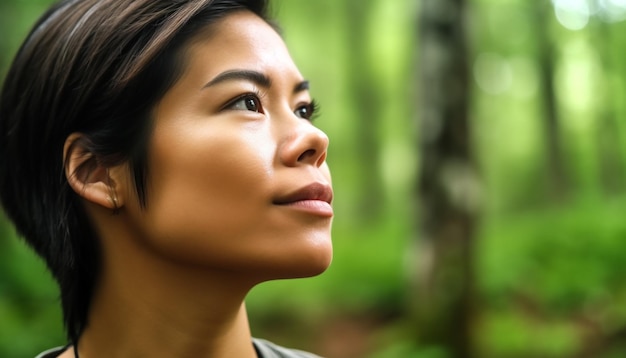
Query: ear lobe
{"x": 88, "y": 176}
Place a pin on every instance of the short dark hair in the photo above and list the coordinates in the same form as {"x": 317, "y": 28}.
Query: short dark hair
{"x": 97, "y": 67}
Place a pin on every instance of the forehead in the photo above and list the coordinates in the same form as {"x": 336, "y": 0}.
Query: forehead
{"x": 241, "y": 40}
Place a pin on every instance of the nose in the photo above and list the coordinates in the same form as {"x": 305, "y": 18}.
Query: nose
{"x": 306, "y": 145}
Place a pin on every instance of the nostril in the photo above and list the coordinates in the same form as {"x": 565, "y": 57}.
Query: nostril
{"x": 307, "y": 154}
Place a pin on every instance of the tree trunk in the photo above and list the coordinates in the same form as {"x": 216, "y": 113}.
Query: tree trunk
{"x": 557, "y": 176}
{"x": 608, "y": 131}
{"x": 448, "y": 186}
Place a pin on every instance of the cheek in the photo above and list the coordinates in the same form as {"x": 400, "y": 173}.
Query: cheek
{"x": 206, "y": 191}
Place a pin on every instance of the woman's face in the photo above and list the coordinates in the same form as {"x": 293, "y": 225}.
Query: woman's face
{"x": 238, "y": 174}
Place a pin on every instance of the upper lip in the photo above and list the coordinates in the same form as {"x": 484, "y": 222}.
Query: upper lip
{"x": 315, "y": 191}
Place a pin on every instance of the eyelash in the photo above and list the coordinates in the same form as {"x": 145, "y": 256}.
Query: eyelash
{"x": 255, "y": 96}
{"x": 312, "y": 108}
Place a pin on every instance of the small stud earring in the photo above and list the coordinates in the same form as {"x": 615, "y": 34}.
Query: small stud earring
{"x": 113, "y": 197}
{"x": 116, "y": 207}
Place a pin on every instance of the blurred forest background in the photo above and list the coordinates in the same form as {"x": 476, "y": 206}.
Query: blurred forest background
{"x": 478, "y": 150}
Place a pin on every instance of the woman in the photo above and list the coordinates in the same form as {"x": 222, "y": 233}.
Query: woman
{"x": 160, "y": 157}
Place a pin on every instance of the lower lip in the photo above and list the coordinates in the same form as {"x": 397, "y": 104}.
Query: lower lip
{"x": 315, "y": 207}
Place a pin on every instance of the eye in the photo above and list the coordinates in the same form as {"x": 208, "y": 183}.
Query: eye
{"x": 307, "y": 111}
{"x": 248, "y": 102}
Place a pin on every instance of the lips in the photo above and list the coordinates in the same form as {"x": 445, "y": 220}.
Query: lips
{"x": 312, "y": 192}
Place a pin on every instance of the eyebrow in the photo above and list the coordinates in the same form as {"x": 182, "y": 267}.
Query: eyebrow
{"x": 256, "y": 77}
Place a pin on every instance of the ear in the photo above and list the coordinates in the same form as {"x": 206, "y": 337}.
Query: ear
{"x": 88, "y": 176}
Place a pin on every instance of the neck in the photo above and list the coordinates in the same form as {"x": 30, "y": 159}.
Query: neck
{"x": 141, "y": 333}
{"x": 146, "y": 306}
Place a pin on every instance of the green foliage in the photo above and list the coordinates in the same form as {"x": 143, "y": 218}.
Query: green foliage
{"x": 507, "y": 334}
{"x": 543, "y": 273}
{"x": 30, "y": 317}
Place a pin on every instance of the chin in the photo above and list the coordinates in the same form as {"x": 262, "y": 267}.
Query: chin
{"x": 310, "y": 263}
{"x": 316, "y": 265}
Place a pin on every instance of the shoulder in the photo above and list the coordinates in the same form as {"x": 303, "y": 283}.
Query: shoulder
{"x": 266, "y": 349}
{"x": 51, "y": 353}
